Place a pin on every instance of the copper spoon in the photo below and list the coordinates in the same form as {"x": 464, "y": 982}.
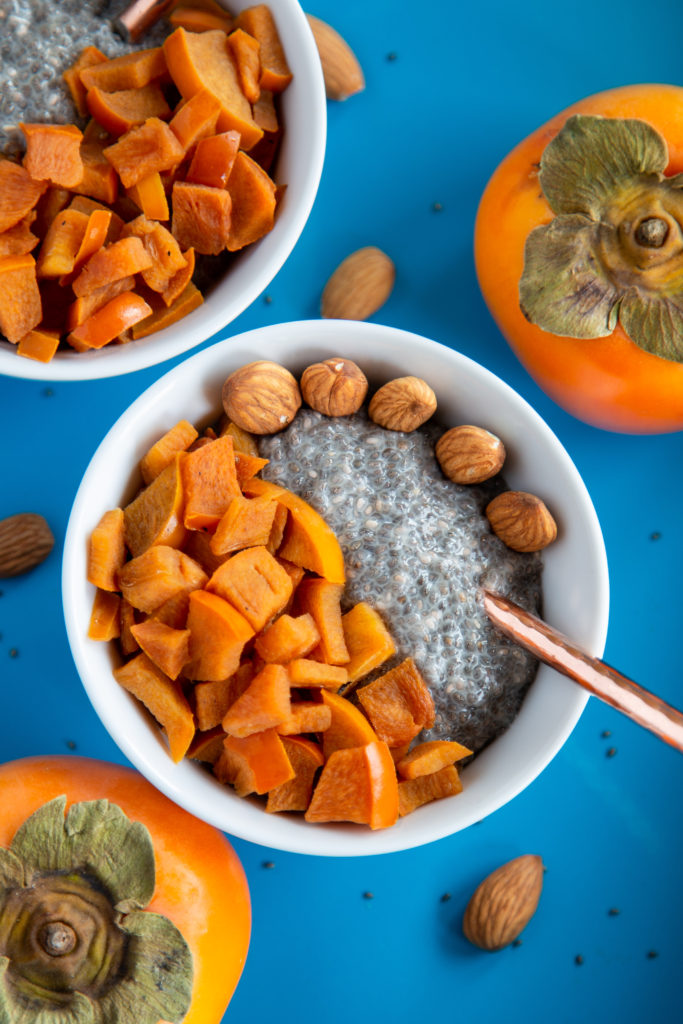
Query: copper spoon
{"x": 551, "y": 647}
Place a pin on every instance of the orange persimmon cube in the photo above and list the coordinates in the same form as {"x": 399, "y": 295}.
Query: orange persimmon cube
{"x": 254, "y": 764}
{"x": 174, "y": 612}
{"x": 306, "y": 716}
{"x": 246, "y": 51}
{"x": 87, "y": 59}
{"x": 118, "y": 112}
{"x": 287, "y": 638}
{"x": 20, "y": 303}
{"x": 19, "y": 193}
{"x": 306, "y": 673}
{"x": 53, "y": 153}
{"x": 253, "y": 202}
{"x": 218, "y": 634}
{"x": 357, "y": 784}
{"x": 322, "y": 600}
{"x": 164, "y": 316}
{"x": 168, "y": 648}
{"x": 245, "y": 523}
{"x": 61, "y": 244}
{"x": 295, "y": 795}
{"x": 196, "y": 119}
{"x": 201, "y": 217}
{"x": 96, "y": 233}
{"x": 155, "y": 515}
{"x": 277, "y": 532}
{"x": 213, "y": 160}
{"x": 258, "y": 21}
{"x": 150, "y": 196}
{"x": 265, "y": 113}
{"x": 104, "y": 619}
{"x": 107, "y": 551}
{"x": 264, "y": 704}
{"x": 247, "y": 465}
{"x": 348, "y": 726}
{"x": 150, "y": 147}
{"x": 413, "y": 793}
{"x": 127, "y": 619}
{"x": 163, "y": 698}
{"x": 18, "y": 240}
{"x": 199, "y": 61}
{"x": 131, "y": 71}
{"x": 209, "y": 483}
{"x": 295, "y": 572}
{"x": 398, "y": 704}
{"x": 254, "y": 583}
{"x": 81, "y": 309}
{"x": 207, "y": 746}
{"x": 120, "y": 259}
{"x": 163, "y": 452}
{"x": 182, "y": 278}
{"x": 157, "y": 575}
{"x": 244, "y": 442}
{"x": 195, "y": 19}
{"x": 213, "y": 698}
{"x": 429, "y": 757}
{"x": 198, "y": 546}
{"x": 367, "y": 639}
{"x": 162, "y": 249}
{"x": 100, "y": 180}
{"x": 39, "y": 344}
{"x": 110, "y": 321}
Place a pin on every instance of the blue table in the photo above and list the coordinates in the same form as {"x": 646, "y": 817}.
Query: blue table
{"x": 450, "y": 89}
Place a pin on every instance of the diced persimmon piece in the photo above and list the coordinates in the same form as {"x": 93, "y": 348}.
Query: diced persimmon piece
{"x": 20, "y": 304}
{"x": 104, "y": 619}
{"x": 199, "y": 61}
{"x": 196, "y": 119}
{"x": 120, "y": 259}
{"x": 201, "y": 217}
{"x": 100, "y": 180}
{"x": 218, "y": 634}
{"x": 155, "y": 515}
{"x": 209, "y": 483}
{"x": 150, "y": 147}
{"x": 39, "y": 344}
{"x": 254, "y": 764}
{"x": 150, "y": 196}
{"x": 305, "y": 672}
{"x": 254, "y": 583}
{"x": 258, "y": 21}
{"x": 174, "y": 612}
{"x": 295, "y": 795}
{"x": 163, "y": 452}
{"x": 264, "y": 704}
{"x": 195, "y": 19}
{"x": 168, "y": 648}
{"x": 19, "y": 240}
{"x": 157, "y": 575}
{"x": 127, "y": 619}
{"x": 295, "y": 572}
{"x": 162, "y": 249}
{"x": 131, "y": 71}
{"x": 207, "y": 746}
{"x": 348, "y": 728}
{"x": 107, "y": 551}
{"x": 213, "y": 160}
{"x": 413, "y": 793}
{"x": 177, "y": 284}
{"x": 19, "y": 193}
{"x": 309, "y": 541}
{"x": 398, "y": 704}
{"x": 431, "y": 756}
{"x": 118, "y": 112}
{"x": 61, "y": 244}
{"x": 81, "y": 309}
{"x": 246, "y": 466}
{"x": 306, "y": 716}
{"x": 163, "y": 698}
{"x": 367, "y": 639}
{"x": 110, "y": 321}
{"x": 198, "y": 546}
{"x": 253, "y": 202}
{"x": 288, "y": 638}
{"x": 164, "y": 316}
{"x": 265, "y": 113}
{"x": 398, "y": 753}
{"x": 246, "y": 523}
{"x": 87, "y": 59}
{"x": 244, "y": 442}
{"x": 96, "y": 233}
{"x": 246, "y": 52}
{"x": 322, "y": 600}
{"x": 52, "y": 202}
{"x": 53, "y": 153}
{"x": 214, "y": 698}
{"x": 277, "y": 532}
{"x": 357, "y": 784}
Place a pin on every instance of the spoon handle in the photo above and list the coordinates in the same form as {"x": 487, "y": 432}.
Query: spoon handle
{"x": 551, "y": 647}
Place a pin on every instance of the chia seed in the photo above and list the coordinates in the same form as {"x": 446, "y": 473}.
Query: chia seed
{"x": 419, "y": 559}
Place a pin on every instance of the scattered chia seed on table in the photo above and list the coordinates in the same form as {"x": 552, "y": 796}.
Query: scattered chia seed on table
{"x": 417, "y": 548}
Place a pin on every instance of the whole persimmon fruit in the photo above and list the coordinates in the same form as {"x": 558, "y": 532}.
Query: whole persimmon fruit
{"x": 579, "y": 255}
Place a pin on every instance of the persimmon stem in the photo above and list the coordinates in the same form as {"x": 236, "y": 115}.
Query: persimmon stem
{"x": 652, "y": 232}
{"x": 57, "y": 938}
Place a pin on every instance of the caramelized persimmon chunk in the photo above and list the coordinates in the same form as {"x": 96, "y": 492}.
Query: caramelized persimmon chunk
{"x": 81, "y": 309}
{"x": 168, "y": 648}
{"x": 162, "y": 249}
{"x": 163, "y": 452}
{"x": 87, "y": 59}
{"x": 124, "y": 258}
{"x": 150, "y": 196}
{"x": 398, "y": 704}
{"x": 163, "y": 698}
{"x": 19, "y": 193}
{"x": 107, "y": 551}
{"x": 207, "y": 746}
{"x": 253, "y": 202}
{"x": 264, "y": 704}
{"x": 306, "y": 758}
{"x": 357, "y": 784}
{"x": 188, "y": 300}
{"x": 196, "y": 119}
{"x": 209, "y": 483}
{"x": 413, "y": 793}
{"x": 246, "y": 465}
{"x": 39, "y": 344}
{"x": 245, "y": 523}
{"x": 304, "y": 672}
{"x": 157, "y": 575}
{"x": 100, "y": 180}
{"x": 322, "y": 600}
{"x": 348, "y": 725}
{"x": 258, "y": 21}
{"x": 21, "y": 307}
{"x": 367, "y": 639}
{"x": 306, "y": 716}
{"x": 429, "y": 757}
{"x": 118, "y": 112}
{"x": 254, "y": 764}
{"x": 202, "y": 217}
{"x": 218, "y": 634}
{"x": 53, "y": 153}
{"x": 104, "y": 618}
{"x": 254, "y": 583}
{"x": 131, "y": 71}
{"x": 213, "y": 698}
{"x": 150, "y": 147}
{"x": 61, "y": 244}
{"x": 18, "y": 240}
{"x": 246, "y": 51}
{"x": 287, "y": 638}
{"x": 109, "y": 322}
{"x": 213, "y": 160}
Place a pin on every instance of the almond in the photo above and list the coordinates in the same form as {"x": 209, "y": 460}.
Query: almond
{"x": 521, "y": 520}
{"x": 25, "y": 541}
{"x": 470, "y": 455}
{"x": 261, "y": 397}
{"x": 359, "y": 286}
{"x": 342, "y": 73}
{"x": 404, "y": 403}
{"x": 504, "y": 903}
{"x": 335, "y": 387}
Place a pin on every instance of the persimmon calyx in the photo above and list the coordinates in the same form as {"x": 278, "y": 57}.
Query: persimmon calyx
{"x": 76, "y": 945}
{"x": 613, "y": 252}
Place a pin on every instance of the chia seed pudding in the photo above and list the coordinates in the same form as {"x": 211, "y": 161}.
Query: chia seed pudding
{"x": 417, "y": 548}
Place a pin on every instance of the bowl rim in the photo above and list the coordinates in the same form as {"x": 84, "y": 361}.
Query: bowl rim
{"x": 210, "y": 318}
{"x": 379, "y": 341}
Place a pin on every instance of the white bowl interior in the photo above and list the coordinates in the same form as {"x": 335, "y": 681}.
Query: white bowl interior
{"x": 299, "y": 165}
{"x": 575, "y": 582}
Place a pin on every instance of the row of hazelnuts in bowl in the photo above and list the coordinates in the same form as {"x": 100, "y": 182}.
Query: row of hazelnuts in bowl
{"x": 263, "y": 397}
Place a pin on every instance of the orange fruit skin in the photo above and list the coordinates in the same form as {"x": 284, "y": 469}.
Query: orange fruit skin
{"x": 200, "y": 882}
{"x": 608, "y": 382}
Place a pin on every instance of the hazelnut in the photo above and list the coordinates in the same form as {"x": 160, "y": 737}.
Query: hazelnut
{"x": 261, "y": 397}
{"x": 402, "y": 404}
{"x": 335, "y": 387}
{"x": 521, "y": 521}
{"x": 470, "y": 455}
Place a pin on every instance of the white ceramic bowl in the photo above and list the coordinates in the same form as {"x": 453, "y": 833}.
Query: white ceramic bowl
{"x": 575, "y": 583}
{"x": 299, "y": 165}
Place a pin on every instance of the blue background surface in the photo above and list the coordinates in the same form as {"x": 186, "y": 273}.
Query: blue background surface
{"x": 450, "y": 89}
